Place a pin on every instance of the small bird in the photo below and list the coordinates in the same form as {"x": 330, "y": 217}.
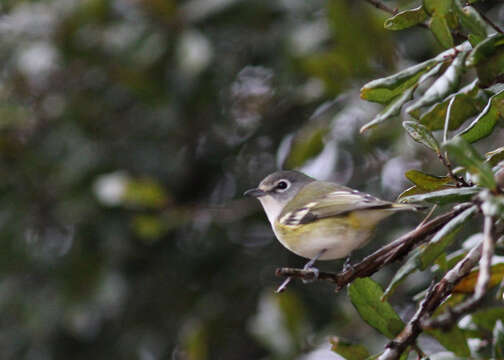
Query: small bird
{"x": 320, "y": 220}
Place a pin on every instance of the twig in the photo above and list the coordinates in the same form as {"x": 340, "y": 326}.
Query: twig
{"x": 488, "y": 21}
{"x": 436, "y": 294}
{"x": 459, "y": 180}
{"x": 385, "y": 255}
{"x": 379, "y": 5}
{"x": 449, "y": 318}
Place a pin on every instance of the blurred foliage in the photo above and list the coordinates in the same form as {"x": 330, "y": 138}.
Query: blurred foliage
{"x": 129, "y": 130}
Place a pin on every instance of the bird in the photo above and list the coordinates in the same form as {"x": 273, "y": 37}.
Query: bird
{"x": 320, "y": 220}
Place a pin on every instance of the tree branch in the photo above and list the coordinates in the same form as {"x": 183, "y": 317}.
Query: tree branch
{"x": 449, "y": 318}
{"x": 436, "y": 294}
{"x": 385, "y": 255}
{"x": 379, "y": 5}
{"x": 488, "y": 21}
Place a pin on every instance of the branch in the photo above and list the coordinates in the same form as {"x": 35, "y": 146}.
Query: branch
{"x": 385, "y": 255}
{"x": 379, "y": 5}
{"x": 488, "y": 21}
{"x": 436, "y": 294}
{"x": 448, "y": 319}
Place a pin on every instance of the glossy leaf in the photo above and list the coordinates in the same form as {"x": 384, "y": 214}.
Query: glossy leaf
{"x": 495, "y": 156}
{"x": 488, "y": 58}
{"x": 484, "y": 124}
{"x": 409, "y": 267}
{"x": 347, "y": 350}
{"x": 421, "y": 134}
{"x": 386, "y": 89}
{"x": 467, "y": 284}
{"x": 442, "y": 197}
{"x": 426, "y": 181}
{"x": 470, "y": 19}
{"x": 392, "y": 109}
{"x": 443, "y": 86}
{"x": 467, "y": 156}
{"x": 366, "y": 295}
{"x": 444, "y": 238}
{"x": 441, "y": 31}
{"x": 469, "y": 101}
{"x": 405, "y": 19}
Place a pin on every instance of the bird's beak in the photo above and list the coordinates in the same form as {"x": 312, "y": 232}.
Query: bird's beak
{"x": 254, "y": 192}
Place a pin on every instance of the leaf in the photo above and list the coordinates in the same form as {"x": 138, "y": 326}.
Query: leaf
{"x": 445, "y": 196}
{"x": 443, "y": 238}
{"x": 420, "y": 134}
{"x": 470, "y": 19}
{"x": 348, "y": 350}
{"x": 487, "y": 317}
{"x": 390, "y": 110}
{"x": 468, "y": 157}
{"x": 488, "y": 58}
{"x": 441, "y": 30}
{"x": 469, "y": 101}
{"x": 405, "y": 19}
{"x": 366, "y": 295}
{"x": 453, "y": 340}
{"x": 498, "y": 340}
{"x": 409, "y": 267}
{"x": 426, "y": 181}
{"x": 386, "y": 89}
{"x": 307, "y": 143}
{"x": 485, "y": 122}
{"x": 467, "y": 284}
{"x": 443, "y": 86}
{"x": 495, "y": 156}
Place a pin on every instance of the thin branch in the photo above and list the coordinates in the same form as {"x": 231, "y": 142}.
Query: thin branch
{"x": 385, "y": 255}
{"x": 488, "y": 21}
{"x": 436, "y": 294}
{"x": 379, "y": 5}
{"x": 448, "y": 319}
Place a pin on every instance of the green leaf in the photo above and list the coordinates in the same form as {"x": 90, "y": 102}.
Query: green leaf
{"x": 444, "y": 85}
{"x": 386, "y": 89}
{"x": 392, "y": 109}
{"x": 495, "y": 156}
{"x": 409, "y": 267}
{"x": 444, "y": 238}
{"x": 348, "y": 350}
{"x": 366, "y": 295}
{"x": 307, "y": 143}
{"x": 487, "y": 317}
{"x": 470, "y": 19}
{"x": 488, "y": 58}
{"x": 442, "y": 197}
{"x": 405, "y": 19}
{"x": 469, "y": 101}
{"x": 498, "y": 340}
{"x": 439, "y": 7}
{"x": 441, "y": 31}
{"x": 453, "y": 340}
{"x": 485, "y": 122}
{"x": 426, "y": 181}
{"x": 468, "y": 157}
{"x": 420, "y": 134}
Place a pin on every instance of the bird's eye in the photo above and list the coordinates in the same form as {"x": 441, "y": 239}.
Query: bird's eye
{"x": 282, "y": 185}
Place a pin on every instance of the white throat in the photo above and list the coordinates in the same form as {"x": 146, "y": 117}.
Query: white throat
{"x": 272, "y": 208}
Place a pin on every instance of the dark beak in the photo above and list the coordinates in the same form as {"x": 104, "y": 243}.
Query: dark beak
{"x": 254, "y": 192}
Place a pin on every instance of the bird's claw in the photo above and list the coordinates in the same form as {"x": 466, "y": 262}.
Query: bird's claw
{"x": 314, "y": 271}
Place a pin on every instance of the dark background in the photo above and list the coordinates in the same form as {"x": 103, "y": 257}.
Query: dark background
{"x": 130, "y": 129}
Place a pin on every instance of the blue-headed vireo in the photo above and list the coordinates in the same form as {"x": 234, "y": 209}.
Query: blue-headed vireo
{"x": 318, "y": 219}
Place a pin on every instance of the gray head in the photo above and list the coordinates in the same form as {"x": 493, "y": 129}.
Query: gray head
{"x": 277, "y": 189}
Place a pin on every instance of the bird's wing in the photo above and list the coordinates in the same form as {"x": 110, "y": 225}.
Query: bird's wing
{"x": 326, "y": 200}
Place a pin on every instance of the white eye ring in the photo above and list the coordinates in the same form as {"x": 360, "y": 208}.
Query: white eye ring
{"x": 282, "y": 185}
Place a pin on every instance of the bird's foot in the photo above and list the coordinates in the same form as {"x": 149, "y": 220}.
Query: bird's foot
{"x": 312, "y": 270}
{"x": 347, "y": 266}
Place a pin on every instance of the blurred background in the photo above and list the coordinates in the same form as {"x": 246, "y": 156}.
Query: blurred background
{"x": 130, "y": 129}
